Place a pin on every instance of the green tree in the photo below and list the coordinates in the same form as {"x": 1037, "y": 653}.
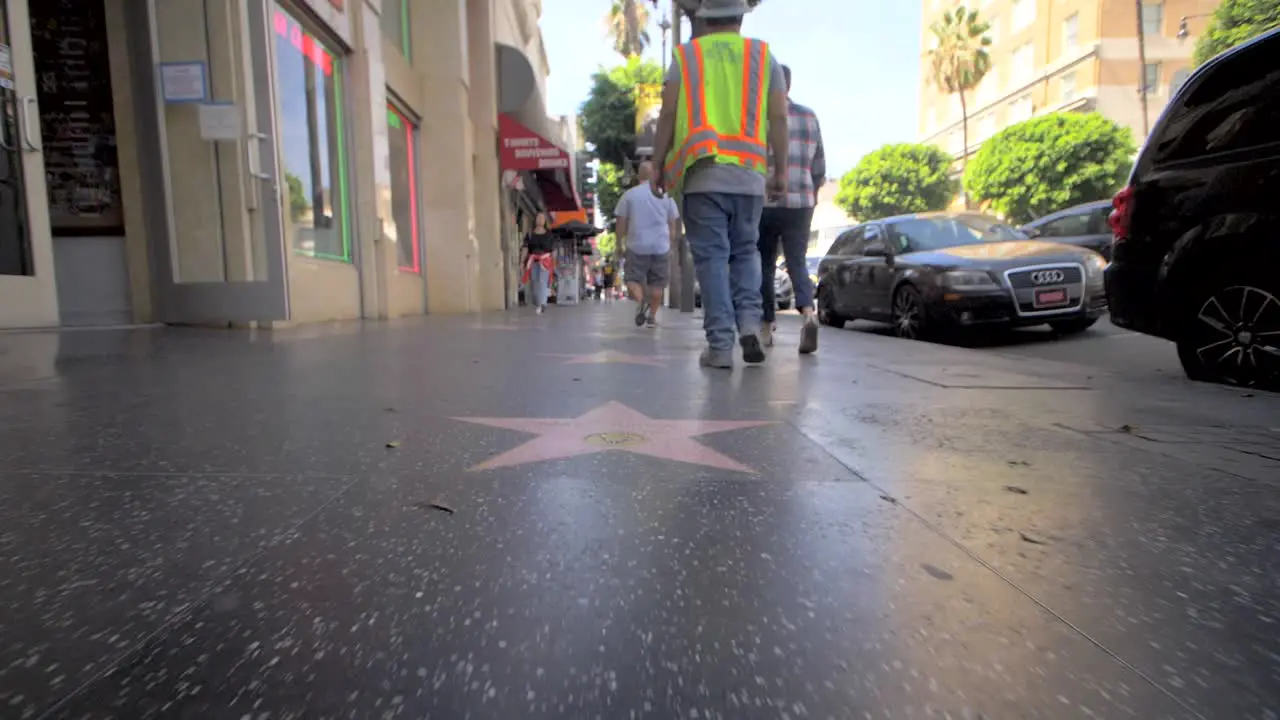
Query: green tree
{"x": 607, "y": 244}
{"x": 610, "y": 184}
{"x": 627, "y": 25}
{"x": 1234, "y": 22}
{"x": 959, "y": 60}
{"x": 609, "y": 112}
{"x": 1051, "y": 162}
{"x": 298, "y": 202}
{"x": 898, "y": 179}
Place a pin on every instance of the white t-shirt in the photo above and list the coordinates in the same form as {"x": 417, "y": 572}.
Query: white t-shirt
{"x": 648, "y": 220}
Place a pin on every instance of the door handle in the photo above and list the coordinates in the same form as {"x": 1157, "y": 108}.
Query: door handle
{"x": 6, "y": 141}
{"x": 253, "y": 169}
{"x": 28, "y": 101}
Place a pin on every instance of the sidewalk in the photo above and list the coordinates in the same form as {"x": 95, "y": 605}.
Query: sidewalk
{"x": 519, "y": 516}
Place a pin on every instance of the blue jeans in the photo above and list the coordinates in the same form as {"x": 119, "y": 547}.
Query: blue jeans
{"x": 723, "y": 232}
{"x": 538, "y": 284}
{"x": 788, "y": 227}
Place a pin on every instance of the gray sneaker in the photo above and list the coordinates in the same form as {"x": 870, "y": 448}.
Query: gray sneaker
{"x": 752, "y": 350}
{"x": 809, "y": 335}
{"x": 722, "y": 359}
{"x": 766, "y": 335}
{"x": 651, "y": 321}
{"x": 641, "y": 312}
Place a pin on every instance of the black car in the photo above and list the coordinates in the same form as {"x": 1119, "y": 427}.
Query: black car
{"x": 783, "y": 292}
{"x": 1084, "y": 225}
{"x": 1196, "y": 254}
{"x": 945, "y": 271}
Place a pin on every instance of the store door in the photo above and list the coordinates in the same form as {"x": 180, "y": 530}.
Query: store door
{"x": 249, "y": 281}
{"x": 27, "y": 288}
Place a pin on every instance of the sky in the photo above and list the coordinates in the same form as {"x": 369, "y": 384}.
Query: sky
{"x": 855, "y": 62}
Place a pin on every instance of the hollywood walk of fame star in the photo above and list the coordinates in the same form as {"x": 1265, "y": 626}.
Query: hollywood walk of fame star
{"x": 609, "y": 356}
{"x": 614, "y": 426}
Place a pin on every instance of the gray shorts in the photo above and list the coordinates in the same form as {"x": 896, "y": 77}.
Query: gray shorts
{"x": 648, "y": 270}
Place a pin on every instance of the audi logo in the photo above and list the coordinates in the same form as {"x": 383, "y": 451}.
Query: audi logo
{"x": 1048, "y": 277}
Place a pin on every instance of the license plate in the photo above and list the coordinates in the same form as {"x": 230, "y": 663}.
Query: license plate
{"x": 1051, "y": 298}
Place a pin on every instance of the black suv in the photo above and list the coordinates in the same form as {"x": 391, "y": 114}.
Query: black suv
{"x": 1196, "y": 234}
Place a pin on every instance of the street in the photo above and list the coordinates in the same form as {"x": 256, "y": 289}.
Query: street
{"x": 562, "y": 515}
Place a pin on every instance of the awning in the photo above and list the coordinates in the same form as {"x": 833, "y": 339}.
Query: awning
{"x": 551, "y": 167}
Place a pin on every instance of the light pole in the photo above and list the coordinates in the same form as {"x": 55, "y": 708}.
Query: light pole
{"x": 664, "y": 25}
{"x": 1142, "y": 69}
{"x": 1183, "y": 33}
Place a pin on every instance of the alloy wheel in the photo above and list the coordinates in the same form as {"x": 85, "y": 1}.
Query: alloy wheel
{"x": 1237, "y": 335}
{"x": 906, "y": 314}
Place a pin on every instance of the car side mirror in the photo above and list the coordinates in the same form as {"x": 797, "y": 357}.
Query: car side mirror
{"x": 1031, "y": 232}
{"x": 876, "y": 249}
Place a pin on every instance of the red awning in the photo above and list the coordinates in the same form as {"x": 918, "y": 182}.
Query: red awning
{"x": 523, "y": 150}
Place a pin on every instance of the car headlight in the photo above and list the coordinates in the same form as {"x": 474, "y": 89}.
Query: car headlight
{"x": 1096, "y": 264}
{"x": 968, "y": 280}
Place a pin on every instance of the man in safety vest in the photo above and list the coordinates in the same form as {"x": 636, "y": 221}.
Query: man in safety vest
{"x": 724, "y": 106}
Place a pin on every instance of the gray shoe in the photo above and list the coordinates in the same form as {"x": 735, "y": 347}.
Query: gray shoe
{"x": 809, "y": 335}
{"x": 766, "y": 335}
{"x": 641, "y": 313}
{"x": 752, "y": 350}
{"x": 722, "y": 359}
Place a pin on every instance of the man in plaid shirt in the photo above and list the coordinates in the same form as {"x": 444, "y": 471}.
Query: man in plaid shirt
{"x": 786, "y": 220}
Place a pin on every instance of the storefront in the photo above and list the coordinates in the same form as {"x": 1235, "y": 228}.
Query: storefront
{"x": 276, "y": 161}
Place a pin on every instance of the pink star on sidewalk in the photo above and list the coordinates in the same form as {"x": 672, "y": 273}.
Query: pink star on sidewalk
{"x": 614, "y": 426}
{"x": 608, "y": 356}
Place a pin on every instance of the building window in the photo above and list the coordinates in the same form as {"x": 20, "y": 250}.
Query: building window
{"x": 312, "y": 142}
{"x": 1068, "y": 82}
{"x": 1023, "y": 63}
{"x": 1024, "y": 13}
{"x": 1151, "y": 78}
{"x": 1020, "y": 108}
{"x": 1152, "y": 18}
{"x": 1071, "y": 33}
{"x": 402, "y": 147}
{"x": 1179, "y": 79}
{"x": 395, "y": 25}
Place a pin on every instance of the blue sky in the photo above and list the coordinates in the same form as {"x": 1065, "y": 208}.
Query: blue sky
{"x": 855, "y": 62}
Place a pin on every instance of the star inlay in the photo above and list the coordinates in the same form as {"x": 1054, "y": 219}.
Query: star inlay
{"x": 614, "y": 427}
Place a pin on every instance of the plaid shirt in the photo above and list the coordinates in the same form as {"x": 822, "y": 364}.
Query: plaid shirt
{"x": 807, "y": 166}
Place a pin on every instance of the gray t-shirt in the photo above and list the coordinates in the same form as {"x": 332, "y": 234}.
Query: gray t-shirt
{"x": 708, "y": 176}
{"x": 649, "y": 220}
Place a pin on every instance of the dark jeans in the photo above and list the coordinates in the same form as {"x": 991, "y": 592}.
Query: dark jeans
{"x": 723, "y": 232}
{"x": 790, "y": 228}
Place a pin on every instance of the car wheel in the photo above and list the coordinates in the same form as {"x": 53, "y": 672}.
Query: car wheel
{"x": 1072, "y": 327}
{"x": 908, "y": 313}
{"x": 826, "y": 315}
{"x": 1230, "y": 333}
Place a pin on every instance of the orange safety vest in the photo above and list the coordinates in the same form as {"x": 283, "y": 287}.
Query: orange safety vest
{"x": 721, "y": 114}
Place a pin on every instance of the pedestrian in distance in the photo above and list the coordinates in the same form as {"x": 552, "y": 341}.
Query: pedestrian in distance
{"x": 539, "y": 262}
{"x": 724, "y": 104}
{"x": 787, "y": 218}
{"x": 647, "y": 220}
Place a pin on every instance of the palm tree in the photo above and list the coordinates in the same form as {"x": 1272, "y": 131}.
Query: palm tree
{"x": 960, "y": 60}
{"x": 627, "y": 24}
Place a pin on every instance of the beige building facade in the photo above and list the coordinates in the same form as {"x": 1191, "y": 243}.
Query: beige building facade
{"x": 261, "y": 161}
{"x": 1064, "y": 55}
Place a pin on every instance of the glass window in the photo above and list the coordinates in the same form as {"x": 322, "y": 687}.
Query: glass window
{"x": 1068, "y": 82}
{"x": 1233, "y": 105}
{"x": 402, "y": 146}
{"x": 312, "y": 142}
{"x": 1152, "y": 18}
{"x": 844, "y": 245}
{"x": 1023, "y": 63}
{"x": 1069, "y": 226}
{"x": 1151, "y": 78}
{"x": 395, "y": 25}
{"x": 1021, "y": 108}
{"x": 1179, "y": 79}
{"x": 935, "y": 233}
{"x": 1071, "y": 32}
{"x": 1024, "y": 13}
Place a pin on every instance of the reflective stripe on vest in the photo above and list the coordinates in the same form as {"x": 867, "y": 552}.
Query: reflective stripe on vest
{"x": 740, "y": 141}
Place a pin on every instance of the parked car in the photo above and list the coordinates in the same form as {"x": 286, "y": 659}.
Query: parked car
{"x": 936, "y": 272}
{"x": 1196, "y": 254}
{"x": 1083, "y": 225}
{"x": 783, "y": 293}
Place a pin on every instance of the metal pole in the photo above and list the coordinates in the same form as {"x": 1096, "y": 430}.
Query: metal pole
{"x": 1142, "y": 70}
